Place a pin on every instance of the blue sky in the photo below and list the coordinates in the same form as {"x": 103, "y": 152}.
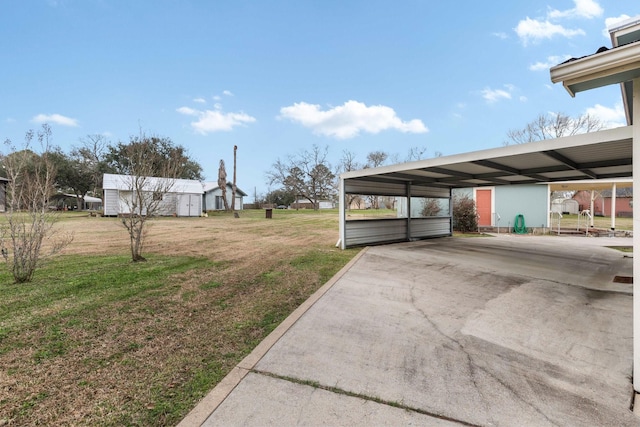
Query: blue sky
{"x": 276, "y": 77}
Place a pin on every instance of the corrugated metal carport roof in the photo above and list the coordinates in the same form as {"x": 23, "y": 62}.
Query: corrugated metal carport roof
{"x": 597, "y": 155}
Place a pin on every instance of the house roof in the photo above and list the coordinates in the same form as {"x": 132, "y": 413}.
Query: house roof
{"x": 88, "y": 199}
{"x": 211, "y": 186}
{"x": 620, "y": 64}
{"x": 597, "y": 155}
{"x": 622, "y": 33}
{"x": 605, "y": 67}
{"x": 123, "y": 182}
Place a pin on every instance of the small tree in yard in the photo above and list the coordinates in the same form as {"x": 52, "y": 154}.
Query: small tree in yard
{"x": 464, "y": 214}
{"x": 151, "y": 177}
{"x": 30, "y": 222}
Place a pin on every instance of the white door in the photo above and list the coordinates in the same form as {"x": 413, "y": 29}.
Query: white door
{"x": 188, "y": 205}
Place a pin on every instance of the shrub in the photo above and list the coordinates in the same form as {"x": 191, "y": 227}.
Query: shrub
{"x": 464, "y": 214}
{"x": 430, "y": 207}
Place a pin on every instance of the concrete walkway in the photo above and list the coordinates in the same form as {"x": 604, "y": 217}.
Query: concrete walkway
{"x": 503, "y": 331}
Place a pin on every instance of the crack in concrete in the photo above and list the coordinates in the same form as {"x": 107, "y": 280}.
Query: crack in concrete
{"x": 316, "y": 385}
{"x": 472, "y": 366}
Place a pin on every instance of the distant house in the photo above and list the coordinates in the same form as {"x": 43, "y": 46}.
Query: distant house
{"x": 212, "y": 197}
{"x": 566, "y": 206}
{"x": 306, "y": 204}
{"x": 183, "y": 198}
{"x": 602, "y": 202}
{"x": 64, "y": 201}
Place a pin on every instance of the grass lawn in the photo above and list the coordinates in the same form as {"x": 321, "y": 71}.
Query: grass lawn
{"x": 98, "y": 340}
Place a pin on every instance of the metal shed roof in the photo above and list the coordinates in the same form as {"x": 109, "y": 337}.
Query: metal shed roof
{"x": 124, "y": 182}
{"x": 597, "y": 155}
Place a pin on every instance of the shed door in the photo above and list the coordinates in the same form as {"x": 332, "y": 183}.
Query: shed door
{"x": 483, "y": 206}
{"x": 187, "y": 205}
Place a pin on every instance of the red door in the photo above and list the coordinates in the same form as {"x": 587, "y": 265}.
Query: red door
{"x": 483, "y": 207}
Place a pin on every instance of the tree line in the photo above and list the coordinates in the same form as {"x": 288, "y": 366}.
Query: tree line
{"x": 308, "y": 175}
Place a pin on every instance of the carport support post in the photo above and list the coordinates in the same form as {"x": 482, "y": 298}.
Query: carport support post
{"x": 636, "y": 234}
{"x": 613, "y": 206}
{"x": 593, "y": 213}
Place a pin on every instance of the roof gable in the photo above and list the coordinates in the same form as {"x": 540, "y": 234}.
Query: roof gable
{"x": 212, "y": 186}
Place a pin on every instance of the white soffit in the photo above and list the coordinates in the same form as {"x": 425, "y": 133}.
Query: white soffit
{"x": 605, "y": 184}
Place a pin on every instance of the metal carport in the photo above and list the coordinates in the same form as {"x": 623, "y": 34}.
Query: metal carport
{"x": 597, "y": 155}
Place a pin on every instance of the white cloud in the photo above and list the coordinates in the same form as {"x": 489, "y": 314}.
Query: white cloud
{"x": 535, "y": 30}
{"x": 551, "y": 62}
{"x": 200, "y": 100}
{"x": 584, "y": 9}
{"x": 348, "y": 120}
{"x": 209, "y": 121}
{"x": 188, "y": 111}
{"x": 227, "y": 93}
{"x": 610, "y": 117}
{"x": 494, "y": 95}
{"x": 55, "y": 118}
{"x": 501, "y": 35}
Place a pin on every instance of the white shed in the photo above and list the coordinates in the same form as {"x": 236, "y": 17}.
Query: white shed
{"x": 213, "y": 197}
{"x": 184, "y": 197}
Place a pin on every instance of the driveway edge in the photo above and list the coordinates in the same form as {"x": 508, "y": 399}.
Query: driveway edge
{"x": 198, "y": 415}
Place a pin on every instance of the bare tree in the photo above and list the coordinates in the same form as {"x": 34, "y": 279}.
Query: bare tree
{"x": 30, "y": 222}
{"x": 307, "y": 175}
{"x": 349, "y": 163}
{"x": 150, "y": 181}
{"x": 430, "y": 207}
{"x": 222, "y": 184}
{"x": 553, "y": 125}
{"x": 376, "y": 158}
{"x": 416, "y": 153}
{"x": 91, "y": 154}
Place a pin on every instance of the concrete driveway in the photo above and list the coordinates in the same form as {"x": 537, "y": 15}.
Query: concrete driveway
{"x": 496, "y": 331}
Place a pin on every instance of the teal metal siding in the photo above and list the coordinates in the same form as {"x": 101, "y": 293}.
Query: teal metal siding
{"x": 528, "y": 200}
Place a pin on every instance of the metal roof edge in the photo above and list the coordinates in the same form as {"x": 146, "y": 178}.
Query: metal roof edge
{"x": 597, "y": 65}
{"x": 620, "y": 133}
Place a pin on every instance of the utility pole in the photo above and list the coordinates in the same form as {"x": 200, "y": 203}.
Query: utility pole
{"x": 233, "y": 186}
